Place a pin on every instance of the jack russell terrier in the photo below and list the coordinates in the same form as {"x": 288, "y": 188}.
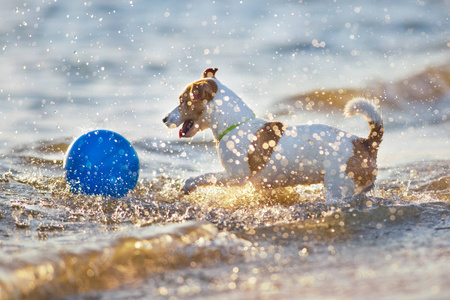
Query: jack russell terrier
{"x": 272, "y": 154}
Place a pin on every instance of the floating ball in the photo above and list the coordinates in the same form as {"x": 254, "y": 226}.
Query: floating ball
{"x": 101, "y": 162}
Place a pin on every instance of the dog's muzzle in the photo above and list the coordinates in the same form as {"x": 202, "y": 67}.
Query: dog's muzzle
{"x": 172, "y": 119}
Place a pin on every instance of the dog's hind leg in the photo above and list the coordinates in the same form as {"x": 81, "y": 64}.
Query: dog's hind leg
{"x": 338, "y": 186}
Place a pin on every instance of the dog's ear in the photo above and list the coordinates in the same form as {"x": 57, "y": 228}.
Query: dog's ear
{"x": 204, "y": 90}
{"x": 210, "y": 73}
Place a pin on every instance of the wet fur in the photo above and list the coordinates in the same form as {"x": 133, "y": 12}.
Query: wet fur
{"x": 272, "y": 154}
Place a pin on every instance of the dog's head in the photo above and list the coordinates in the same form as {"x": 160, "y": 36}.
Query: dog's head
{"x": 192, "y": 112}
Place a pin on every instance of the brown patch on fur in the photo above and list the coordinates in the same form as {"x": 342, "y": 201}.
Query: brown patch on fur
{"x": 263, "y": 144}
{"x": 362, "y": 166}
{"x": 195, "y": 96}
{"x": 210, "y": 73}
{"x": 375, "y": 136}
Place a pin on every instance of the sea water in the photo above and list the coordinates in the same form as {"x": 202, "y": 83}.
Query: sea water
{"x": 68, "y": 67}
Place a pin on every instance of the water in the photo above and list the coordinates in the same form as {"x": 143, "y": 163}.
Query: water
{"x": 69, "y": 67}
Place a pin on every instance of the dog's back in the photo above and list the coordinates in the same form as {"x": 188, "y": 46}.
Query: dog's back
{"x": 307, "y": 154}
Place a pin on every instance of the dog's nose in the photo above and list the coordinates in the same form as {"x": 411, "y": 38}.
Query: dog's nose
{"x": 165, "y": 119}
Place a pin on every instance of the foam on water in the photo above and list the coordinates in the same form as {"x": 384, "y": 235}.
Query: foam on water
{"x": 71, "y": 262}
{"x": 270, "y": 224}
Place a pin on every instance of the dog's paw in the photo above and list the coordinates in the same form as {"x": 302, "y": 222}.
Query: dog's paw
{"x": 189, "y": 186}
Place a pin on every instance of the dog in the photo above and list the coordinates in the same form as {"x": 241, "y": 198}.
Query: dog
{"x": 272, "y": 154}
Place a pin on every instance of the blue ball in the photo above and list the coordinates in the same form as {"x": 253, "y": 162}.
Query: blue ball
{"x": 101, "y": 162}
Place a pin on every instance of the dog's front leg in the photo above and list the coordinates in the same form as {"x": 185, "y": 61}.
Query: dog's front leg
{"x": 220, "y": 179}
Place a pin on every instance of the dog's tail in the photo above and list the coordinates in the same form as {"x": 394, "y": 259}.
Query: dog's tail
{"x": 372, "y": 115}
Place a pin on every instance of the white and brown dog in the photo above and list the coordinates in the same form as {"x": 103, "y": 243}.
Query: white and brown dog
{"x": 271, "y": 154}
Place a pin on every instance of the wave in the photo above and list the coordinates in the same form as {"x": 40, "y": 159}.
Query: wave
{"x": 429, "y": 86}
{"x": 115, "y": 259}
{"x": 130, "y": 245}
